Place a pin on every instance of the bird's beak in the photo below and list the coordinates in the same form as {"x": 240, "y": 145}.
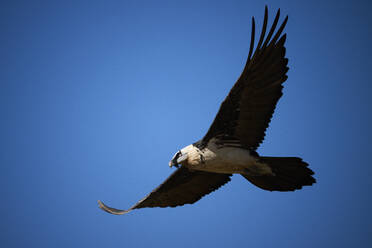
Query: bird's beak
{"x": 172, "y": 163}
{"x": 176, "y": 161}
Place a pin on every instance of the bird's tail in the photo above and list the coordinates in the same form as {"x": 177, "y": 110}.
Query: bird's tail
{"x": 289, "y": 174}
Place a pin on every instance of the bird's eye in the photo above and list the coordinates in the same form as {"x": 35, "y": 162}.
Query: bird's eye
{"x": 178, "y": 154}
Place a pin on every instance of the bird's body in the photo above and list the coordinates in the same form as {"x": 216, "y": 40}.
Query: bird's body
{"x": 223, "y": 159}
{"x": 229, "y": 146}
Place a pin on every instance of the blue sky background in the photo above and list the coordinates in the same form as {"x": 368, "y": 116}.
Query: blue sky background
{"x": 96, "y": 96}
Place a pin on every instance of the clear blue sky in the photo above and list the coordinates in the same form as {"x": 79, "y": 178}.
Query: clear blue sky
{"x": 96, "y": 96}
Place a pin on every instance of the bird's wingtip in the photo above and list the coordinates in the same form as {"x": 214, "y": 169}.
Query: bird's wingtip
{"x": 110, "y": 210}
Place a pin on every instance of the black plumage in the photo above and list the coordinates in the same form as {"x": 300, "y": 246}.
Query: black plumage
{"x": 241, "y": 123}
{"x": 181, "y": 187}
{"x": 246, "y": 112}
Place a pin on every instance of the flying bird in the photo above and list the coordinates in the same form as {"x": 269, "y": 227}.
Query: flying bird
{"x": 229, "y": 146}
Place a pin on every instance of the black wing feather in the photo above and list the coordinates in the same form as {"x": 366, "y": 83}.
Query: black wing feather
{"x": 245, "y": 113}
{"x": 183, "y": 186}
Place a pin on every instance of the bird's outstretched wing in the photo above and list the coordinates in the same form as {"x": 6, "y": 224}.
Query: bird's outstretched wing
{"x": 246, "y": 112}
{"x": 184, "y": 186}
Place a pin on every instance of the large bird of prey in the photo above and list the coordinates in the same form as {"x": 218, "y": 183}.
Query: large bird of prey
{"x": 229, "y": 147}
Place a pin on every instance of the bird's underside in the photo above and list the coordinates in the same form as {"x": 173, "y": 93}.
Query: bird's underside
{"x": 229, "y": 147}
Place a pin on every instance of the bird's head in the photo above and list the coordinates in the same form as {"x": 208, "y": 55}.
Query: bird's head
{"x": 179, "y": 158}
